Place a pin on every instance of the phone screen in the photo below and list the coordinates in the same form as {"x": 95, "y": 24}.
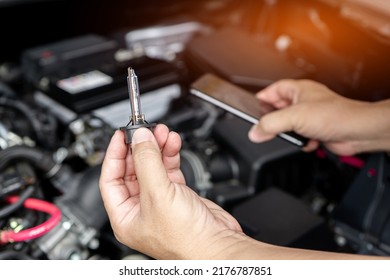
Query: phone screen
{"x": 237, "y": 101}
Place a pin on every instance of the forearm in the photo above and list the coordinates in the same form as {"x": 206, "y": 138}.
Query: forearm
{"x": 375, "y": 127}
{"x": 240, "y": 247}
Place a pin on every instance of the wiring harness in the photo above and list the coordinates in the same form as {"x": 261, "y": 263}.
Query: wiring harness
{"x": 9, "y": 236}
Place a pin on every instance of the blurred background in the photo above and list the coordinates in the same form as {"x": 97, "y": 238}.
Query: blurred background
{"x": 63, "y": 92}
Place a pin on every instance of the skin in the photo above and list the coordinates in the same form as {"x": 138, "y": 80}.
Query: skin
{"x": 145, "y": 195}
{"x": 344, "y": 126}
{"x": 153, "y": 211}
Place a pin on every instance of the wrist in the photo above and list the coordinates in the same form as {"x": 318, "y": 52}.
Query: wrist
{"x": 375, "y": 128}
{"x": 229, "y": 245}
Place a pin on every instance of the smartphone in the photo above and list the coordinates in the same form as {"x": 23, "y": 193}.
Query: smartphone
{"x": 237, "y": 101}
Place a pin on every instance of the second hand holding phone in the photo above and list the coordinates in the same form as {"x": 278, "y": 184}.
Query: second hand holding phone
{"x": 237, "y": 101}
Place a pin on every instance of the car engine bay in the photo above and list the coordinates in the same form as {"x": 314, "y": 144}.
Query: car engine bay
{"x": 63, "y": 93}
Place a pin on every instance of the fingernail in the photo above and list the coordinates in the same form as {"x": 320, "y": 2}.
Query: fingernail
{"x": 253, "y": 135}
{"x": 142, "y": 134}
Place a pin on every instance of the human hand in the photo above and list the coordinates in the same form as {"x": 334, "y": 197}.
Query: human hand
{"x": 149, "y": 206}
{"x": 309, "y": 108}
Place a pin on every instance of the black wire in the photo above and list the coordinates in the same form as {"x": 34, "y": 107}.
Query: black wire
{"x": 6, "y": 91}
{"x": 7, "y": 210}
{"x": 33, "y": 155}
{"x": 15, "y": 186}
{"x": 27, "y": 113}
{"x": 378, "y": 195}
{"x": 12, "y": 255}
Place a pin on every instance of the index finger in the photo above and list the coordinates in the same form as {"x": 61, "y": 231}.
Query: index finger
{"x": 111, "y": 180}
{"x": 288, "y": 91}
{"x": 113, "y": 166}
{"x": 280, "y": 94}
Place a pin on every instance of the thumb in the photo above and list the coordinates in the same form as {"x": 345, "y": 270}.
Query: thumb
{"x": 149, "y": 167}
{"x": 273, "y": 123}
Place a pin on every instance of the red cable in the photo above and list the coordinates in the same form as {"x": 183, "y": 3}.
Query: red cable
{"x": 37, "y": 231}
{"x": 350, "y": 160}
{"x": 353, "y": 161}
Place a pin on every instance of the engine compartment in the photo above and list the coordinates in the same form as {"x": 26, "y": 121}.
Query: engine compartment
{"x": 63, "y": 95}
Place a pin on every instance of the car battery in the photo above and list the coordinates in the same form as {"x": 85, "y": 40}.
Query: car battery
{"x": 82, "y": 73}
